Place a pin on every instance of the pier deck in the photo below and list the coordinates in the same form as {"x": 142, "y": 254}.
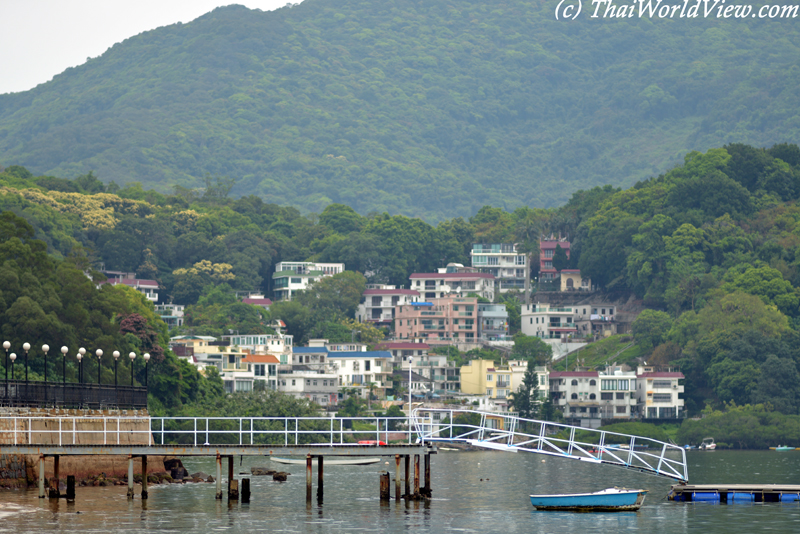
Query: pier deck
{"x": 723, "y": 493}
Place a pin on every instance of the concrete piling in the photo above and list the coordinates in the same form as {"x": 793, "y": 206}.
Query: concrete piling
{"x": 397, "y": 477}
{"x": 130, "y": 478}
{"x": 219, "y": 478}
{"x": 41, "y": 476}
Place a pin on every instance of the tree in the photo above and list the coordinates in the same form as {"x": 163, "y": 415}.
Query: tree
{"x": 560, "y": 259}
{"x": 525, "y": 399}
{"x": 531, "y": 349}
{"x": 651, "y": 327}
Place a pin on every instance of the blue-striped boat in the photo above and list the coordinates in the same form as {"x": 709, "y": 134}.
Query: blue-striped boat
{"x": 607, "y": 500}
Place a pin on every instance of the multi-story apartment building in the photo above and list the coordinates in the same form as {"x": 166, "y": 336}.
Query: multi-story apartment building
{"x": 658, "y": 393}
{"x": 438, "y": 285}
{"x": 583, "y": 320}
{"x": 449, "y": 319}
{"x": 264, "y": 368}
{"x": 279, "y": 344}
{"x": 293, "y": 276}
{"x": 352, "y": 363}
{"x": 436, "y": 374}
{"x": 171, "y": 314}
{"x": 485, "y": 377}
{"x": 492, "y": 321}
{"x": 547, "y": 249}
{"x": 548, "y": 322}
{"x": 591, "y": 396}
{"x": 504, "y": 262}
{"x": 378, "y": 303}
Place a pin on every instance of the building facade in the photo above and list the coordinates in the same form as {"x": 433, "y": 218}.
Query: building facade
{"x": 378, "y": 304}
{"x": 293, "y": 276}
{"x": 547, "y": 250}
{"x": 492, "y": 321}
{"x": 438, "y": 285}
{"x": 554, "y": 322}
{"x": 504, "y": 262}
{"x": 449, "y": 319}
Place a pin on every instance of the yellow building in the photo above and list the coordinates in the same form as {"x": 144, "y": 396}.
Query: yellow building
{"x": 485, "y": 377}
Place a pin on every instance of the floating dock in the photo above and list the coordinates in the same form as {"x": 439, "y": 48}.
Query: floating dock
{"x": 735, "y": 493}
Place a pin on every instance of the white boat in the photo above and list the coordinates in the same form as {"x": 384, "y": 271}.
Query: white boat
{"x": 327, "y": 461}
{"x": 707, "y": 444}
{"x": 607, "y": 500}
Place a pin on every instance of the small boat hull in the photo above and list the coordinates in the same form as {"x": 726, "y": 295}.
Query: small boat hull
{"x": 609, "y": 500}
{"x": 327, "y": 461}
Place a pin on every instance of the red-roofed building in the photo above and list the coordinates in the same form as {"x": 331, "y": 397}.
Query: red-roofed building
{"x": 258, "y": 301}
{"x": 378, "y": 303}
{"x": 264, "y": 367}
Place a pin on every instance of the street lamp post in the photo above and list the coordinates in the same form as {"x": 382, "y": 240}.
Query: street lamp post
{"x": 64, "y": 351}
{"x": 116, "y": 359}
{"x": 99, "y": 353}
{"x": 45, "y": 348}
{"x": 13, "y": 357}
{"x": 81, "y": 354}
{"x": 26, "y": 347}
{"x": 6, "y": 345}
{"x": 132, "y": 356}
{"x": 146, "y": 359}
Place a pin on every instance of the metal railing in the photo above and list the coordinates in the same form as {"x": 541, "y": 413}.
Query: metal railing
{"x": 511, "y": 433}
{"x": 199, "y": 431}
{"x": 71, "y": 395}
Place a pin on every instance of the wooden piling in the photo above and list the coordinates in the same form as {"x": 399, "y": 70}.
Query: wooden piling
{"x": 144, "y": 477}
{"x": 416, "y": 475}
{"x": 308, "y": 478}
{"x": 407, "y": 459}
{"x": 397, "y": 477}
{"x": 233, "y": 485}
{"x": 130, "y": 478}
{"x": 70, "y": 488}
{"x": 218, "y": 495}
{"x": 426, "y": 490}
{"x": 319, "y": 478}
{"x": 385, "y": 496}
{"x": 245, "y": 490}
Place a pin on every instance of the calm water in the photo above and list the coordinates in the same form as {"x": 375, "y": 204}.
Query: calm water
{"x": 473, "y": 492}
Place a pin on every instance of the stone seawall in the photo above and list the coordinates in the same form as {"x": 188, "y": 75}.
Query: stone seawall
{"x": 67, "y": 427}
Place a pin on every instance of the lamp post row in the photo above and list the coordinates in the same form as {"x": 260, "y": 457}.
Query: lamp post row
{"x": 64, "y": 350}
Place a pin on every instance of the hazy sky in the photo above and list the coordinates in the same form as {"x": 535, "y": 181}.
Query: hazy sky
{"x": 41, "y": 38}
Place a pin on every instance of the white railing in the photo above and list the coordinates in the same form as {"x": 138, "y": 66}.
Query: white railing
{"x": 511, "y": 433}
{"x": 199, "y": 431}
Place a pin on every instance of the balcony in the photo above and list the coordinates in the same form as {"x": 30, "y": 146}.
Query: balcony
{"x": 433, "y": 327}
{"x": 234, "y": 367}
{"x": 465, "y": 314}
{"x": 466, "y": 327}
{"x": 453, "y": 378}
{"x": 502, "y": 384}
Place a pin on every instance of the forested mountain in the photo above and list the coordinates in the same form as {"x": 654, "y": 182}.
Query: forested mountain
{"x": 429, "y": 109}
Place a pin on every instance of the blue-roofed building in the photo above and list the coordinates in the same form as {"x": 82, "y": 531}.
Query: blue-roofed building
{"x": 360, "y": 368}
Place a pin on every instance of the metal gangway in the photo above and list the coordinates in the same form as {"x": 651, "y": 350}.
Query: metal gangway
{"x": 504, "y": 432}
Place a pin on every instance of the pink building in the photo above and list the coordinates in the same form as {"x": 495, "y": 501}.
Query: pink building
{"x": 449, "y": 319}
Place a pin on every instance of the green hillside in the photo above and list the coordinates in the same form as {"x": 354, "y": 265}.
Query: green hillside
{"x": 430, "y": 109}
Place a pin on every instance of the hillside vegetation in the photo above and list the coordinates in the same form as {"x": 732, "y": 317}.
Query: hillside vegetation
{"x": 428, "y": 109}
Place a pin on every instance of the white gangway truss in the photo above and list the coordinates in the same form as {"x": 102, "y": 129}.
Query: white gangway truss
{"x": 509, "y": 433}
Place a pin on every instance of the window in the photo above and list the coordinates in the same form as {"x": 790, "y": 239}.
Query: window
{"x": 296, "y": 280}
{"x": 259, "y": 370}
{"x": 574, "y": 396}
{"x": 592, "y": 396}
{"x": 293, "y": 383}
{"x": 621, "y": 409}
{"x": 308, "y": 382}
{"x": 520, "y": 260}
{"x": 488, "y": 378}
{"x": 606, "y": 396}
{"x": 662, "y": 384}
{"x": 620, "y": 396}
{"x": 607, "y": 385}
{"x": 622, "y": 385}
{"x": 593, "y": 382}
{"x": 574, "y": 382}
{"x": 662, "y": 397}
{"x": 366, "y": 365}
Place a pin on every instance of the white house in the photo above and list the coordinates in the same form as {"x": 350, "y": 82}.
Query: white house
{"x": 292, "y": 276}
